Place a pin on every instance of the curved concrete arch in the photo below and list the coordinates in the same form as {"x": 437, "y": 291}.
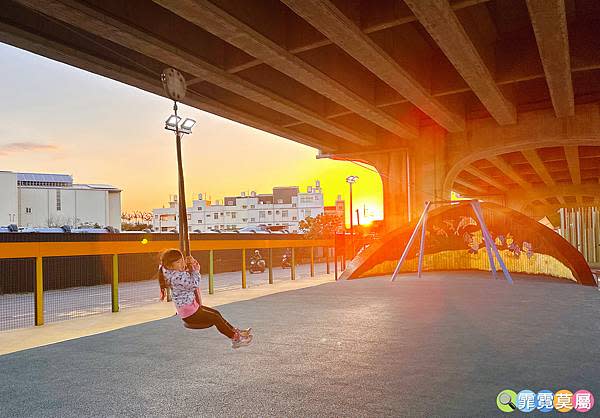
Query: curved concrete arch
{"x": 539, "y": 193}
{"x": 499, "y": 150}
{"x": 500, "y": 221}
{"x": 539, "y": 129}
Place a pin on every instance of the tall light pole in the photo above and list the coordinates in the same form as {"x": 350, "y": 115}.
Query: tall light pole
{"x": 351, "y": 180}
{"x": 175, "y": 88}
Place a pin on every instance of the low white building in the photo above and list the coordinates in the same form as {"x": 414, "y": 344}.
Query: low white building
{"x": 44, "y": 200}
{"x": 285, "y": 207}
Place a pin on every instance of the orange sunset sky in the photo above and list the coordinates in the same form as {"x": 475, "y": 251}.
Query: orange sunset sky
{"x": 58, "y": 119}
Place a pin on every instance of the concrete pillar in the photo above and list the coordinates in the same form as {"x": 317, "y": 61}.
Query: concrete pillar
{"x": 393, "y": 171}
{"x": 422, "y": 165}
{"x": 428, "y": 162}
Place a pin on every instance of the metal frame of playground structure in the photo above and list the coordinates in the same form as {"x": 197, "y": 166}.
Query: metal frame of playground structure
{"x": 490, "y": 245}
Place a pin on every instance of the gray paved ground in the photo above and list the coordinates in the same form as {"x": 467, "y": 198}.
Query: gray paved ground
{"x": 444, "y": 345}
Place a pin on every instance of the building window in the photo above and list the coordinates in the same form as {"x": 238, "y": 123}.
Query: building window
{"x": 233, "y": 215}
{"x": 284, "y": 213}
{"x": 27, "y": 210}
{"x": 244, "y": 206}
{"x": 307, "y": 212}
{"x": 293, "y": 205}
{"x": 58, "y": 202}
{"x": 269, "y": 213}
{"x": 261, "y": 214}
{"x": 251, "y": 206}
{"x": 208, "y": 215}
{"x": 215, "y": 215}
{"x": 244, "y": 219}
{"x": 276, "y": 212}
{"x": 199, "y": 221}
{"x": 294, "y": 218}
{"x": 252, "y": 220}
{"x": 221, "y": 213}
{"x": 199, "y": 208}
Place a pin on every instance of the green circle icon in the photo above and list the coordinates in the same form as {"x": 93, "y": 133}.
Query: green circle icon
{"x": 507, "y": 400}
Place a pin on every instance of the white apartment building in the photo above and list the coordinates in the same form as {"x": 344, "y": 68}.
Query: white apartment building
{"x": 285, "y": 207}
{"x": 42, "y": 200}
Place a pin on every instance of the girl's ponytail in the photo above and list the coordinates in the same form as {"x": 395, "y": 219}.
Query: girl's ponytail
{"x": 165, "y": 289}
{"x": 167, "y": 257}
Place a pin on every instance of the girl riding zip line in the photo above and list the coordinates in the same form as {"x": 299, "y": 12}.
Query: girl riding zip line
{"x": 182, "y": 275}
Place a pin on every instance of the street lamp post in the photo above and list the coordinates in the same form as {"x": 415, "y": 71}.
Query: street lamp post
{"x": 175, "y": 88}
{"x": 351, "y": 180}
{"x": 180, "y": 128}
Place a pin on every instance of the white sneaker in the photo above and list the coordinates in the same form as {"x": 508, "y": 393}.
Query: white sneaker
{"x": 241, "y": 341}
{"x": 245, "y": 332}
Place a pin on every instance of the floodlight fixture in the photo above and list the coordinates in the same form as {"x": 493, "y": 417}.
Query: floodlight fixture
{"x": 172, "y": 122}
{"x": 187, "y": 125}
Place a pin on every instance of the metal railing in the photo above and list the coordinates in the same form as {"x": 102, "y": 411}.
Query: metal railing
{"x": 111, "y": 261}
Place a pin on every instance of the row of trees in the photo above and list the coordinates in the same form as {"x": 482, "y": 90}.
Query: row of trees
{"x": 136, "y": 217}
{"x": 136, "y": 221}
{"x": 322, "y": 226}
{"x": 57, "y": 221}
{"x": 325, "y": 226}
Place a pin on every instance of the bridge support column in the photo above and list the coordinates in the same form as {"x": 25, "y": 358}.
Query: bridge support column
{"x": 392, "y": 167}
{"x": 428, "y": 168}
{"x": 411, "y": 177}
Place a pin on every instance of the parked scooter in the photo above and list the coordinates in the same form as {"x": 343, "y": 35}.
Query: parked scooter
{"x": 286, "y": 261}
{"x": 257, "y": 263}
{"x": 257, "y": 266}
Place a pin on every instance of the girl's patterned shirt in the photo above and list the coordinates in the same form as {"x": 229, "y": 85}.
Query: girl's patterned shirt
{"x": 185, "y": 286}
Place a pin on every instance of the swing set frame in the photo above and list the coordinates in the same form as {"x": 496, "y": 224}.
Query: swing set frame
{"x": 490, "y": 245}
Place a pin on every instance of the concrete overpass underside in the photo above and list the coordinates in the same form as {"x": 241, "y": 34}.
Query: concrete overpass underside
{"x": 495, "y": 99}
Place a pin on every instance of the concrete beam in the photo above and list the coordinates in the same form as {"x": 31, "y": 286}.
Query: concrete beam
{"x": 444, "y": 27}
{"x": 470, "y": 186}
{"x": 538, "y": 165}
{"x": 572, "y": 154}
{"x": 42, "y": 46}
{"x": 368, "y": 28}
{"x": 210, "y": 17}
{"x": 488, "y": 179}
{"x": 103, "y": 26}
{"x": 509, "y": 171}
{"x": 372, "y": 27}
{"x": 549, "y": 22}
{"x": 514, "y": 62}
{"x": 334, "y": 24}
{"x": 536, "y": 129}
{"x": 558, "y": 191}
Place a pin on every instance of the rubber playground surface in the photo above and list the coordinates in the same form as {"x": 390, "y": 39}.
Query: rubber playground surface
{"x": 442, "y": 345}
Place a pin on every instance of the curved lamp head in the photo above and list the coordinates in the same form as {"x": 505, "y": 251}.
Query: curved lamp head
{"x": 351, "y": 179}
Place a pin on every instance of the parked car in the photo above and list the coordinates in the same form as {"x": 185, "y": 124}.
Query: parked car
{"x": 260, "y": 229}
